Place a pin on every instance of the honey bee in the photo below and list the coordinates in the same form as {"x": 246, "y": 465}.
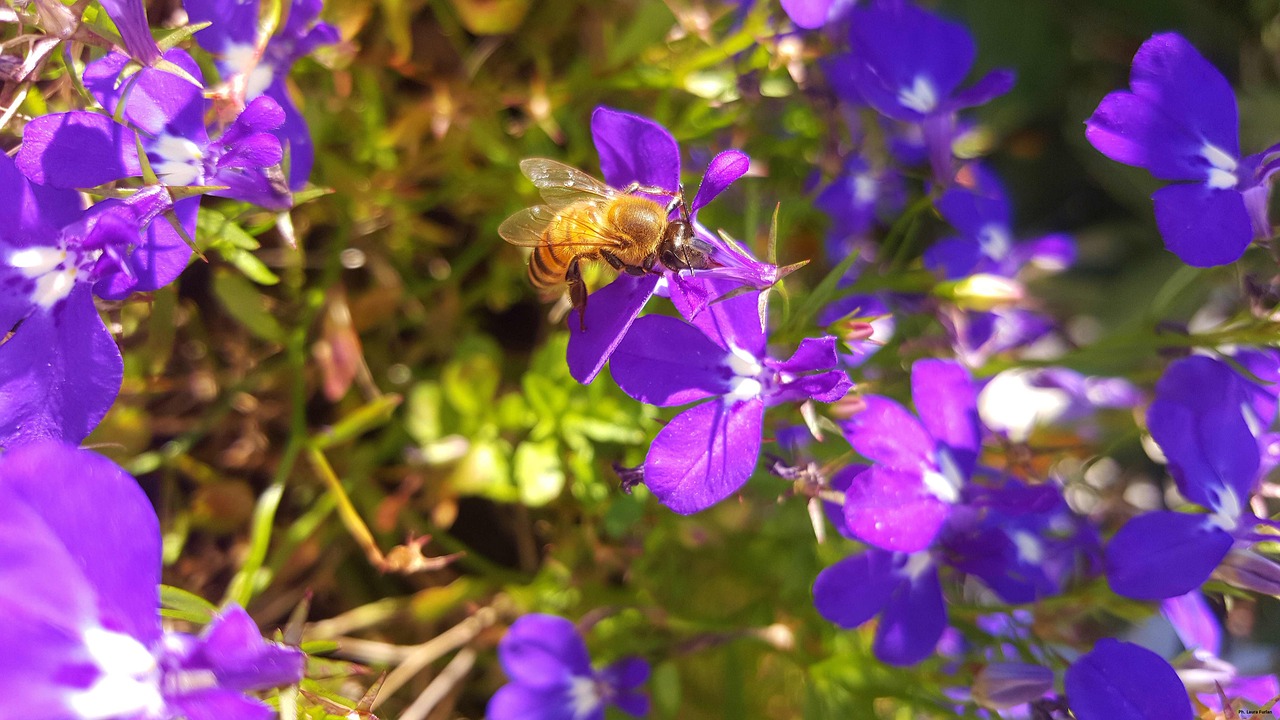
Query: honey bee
{"x": 585, "y": 220}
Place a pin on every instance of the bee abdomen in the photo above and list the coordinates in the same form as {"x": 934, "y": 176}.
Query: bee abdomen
{"x": 546, "y": 267}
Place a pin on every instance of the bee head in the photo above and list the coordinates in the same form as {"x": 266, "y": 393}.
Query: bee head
{"x": 683, "y": 250}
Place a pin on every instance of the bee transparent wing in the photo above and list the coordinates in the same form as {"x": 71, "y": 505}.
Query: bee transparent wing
{"x": 526, "y": 227}
{"x": 561, "y": 185}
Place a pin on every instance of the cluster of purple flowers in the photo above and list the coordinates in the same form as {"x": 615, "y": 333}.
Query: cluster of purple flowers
{"x": 151, "y": 151}
{"x": 81, "y": 542}
{"x": 933, "y": 517}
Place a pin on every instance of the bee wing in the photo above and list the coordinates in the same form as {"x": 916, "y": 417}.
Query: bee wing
{"x": 525, "y": 229}
{"x": 561, "y": 185}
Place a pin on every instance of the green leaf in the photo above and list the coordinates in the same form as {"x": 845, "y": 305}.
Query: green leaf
{"x": 538, "y": 473}
{"x": 218, "y": 230}
{"x": 470, "y": 381}
{"x": 190, "y": 604}
{"x": 243, "y": 302}
{"x": 249, "y": 264}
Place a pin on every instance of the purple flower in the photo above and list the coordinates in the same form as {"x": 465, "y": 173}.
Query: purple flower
{"x": 1018, "y": 401}
{"x": 637, "y": 149}
{"x": 1178, "y": 121}
{"x": 854, "y": 201}
{"x": 552, "y": 678}
{"x": 708, "y": 451}
{"x": 1198, "y": 420}
{"x": 921, "y": 466}
{"x": 978, "y": 335}
{"x": 986, "y": 242}
{"x": 79, "y": 573}
{"x": 83, "y": 149}
{"x": 257, "y": 66}
{"x": 902, "y": 588}
{"x": 60, "y": 369}
{"x": 907, "y": 64}
{"x": 1023, "y": 541}
{"x": 1122, "y": 680}
{"x": 1204, "y": 672}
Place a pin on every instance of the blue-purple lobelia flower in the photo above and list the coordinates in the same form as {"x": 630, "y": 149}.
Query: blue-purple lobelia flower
{"x": 1121, "y": 680}
{"x": 255, "y": 66}
{"x": 1198, "y": 419}
{"x": 708, "y": 451}
{"x": 635, "y": 149}
{"x": 986, "y": 242}
{"x": 986, "y": 265}
{"x": 1178, "y": 120}
{"x": 165, "y": 115}
{"x": 855, "y": 200}
{"x": 1204, "y": 672}
{"x": 902, "y": 588}
{"x": 60, "y": 369}
{"x": 79, "y": 574}
{"x": 921, "y": 465}
{"x": 1023, "y": 541}
{"x": 908, "y": 64}
{"x": 552, "y": 678}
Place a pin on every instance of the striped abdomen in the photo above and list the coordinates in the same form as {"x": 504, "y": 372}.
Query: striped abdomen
{"x": 628, "y": 227}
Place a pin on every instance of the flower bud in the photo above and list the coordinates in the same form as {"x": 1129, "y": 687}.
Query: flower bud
{"x": 1000, "y": 686}
{"x": 982, "y": 292}
{"x": 1248, "y": 570}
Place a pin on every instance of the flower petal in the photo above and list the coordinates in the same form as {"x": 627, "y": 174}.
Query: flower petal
{"x": 610, "y": 312}
{"x": 723, "y": 170}
{"x": 130, "y": 18}
{"x": 987, "y": 88}
{"x": 1197, "y": 419}
{"x": 59, "y": 373}
{"x": 664, "y": 361}
{"x": 159, "y": 260}
{"x": 704, "y": 454}
{"x": 733, "y": 323}
{"x": 1203, "y": 226}
{"x": 233, "y": 648}
{"x": 808, "y": 14}
{"x": 892, "y": 509}
{"x": 522, "y": 702}
{"x": 543, "y": 651}
{"x": 77, "y": 150}
{"x": 1122, "y": 680}
{"x": 913, "y": 618}
{"x": 903, "y": 50}
{"x": 1163, "y": 554}
{"x": 853, "y": 590}
{"x": 947, "y": 401}
{"x": 217, "y": 704}
{"x": 885, "y": 432}
{"x": 106, "y": 523}
{"x": 1172, "y": 75}
{"x": 635, "y": 149}
{"x": 1194, "y": 622}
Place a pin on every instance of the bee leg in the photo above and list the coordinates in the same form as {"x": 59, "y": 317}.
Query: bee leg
{"x": 577, "y": 292}
{"x": 636, "y": 187}
{"x": 649, "y": 261}
{"x": 677, "y": 201}
{"x": 617, "y": 264}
